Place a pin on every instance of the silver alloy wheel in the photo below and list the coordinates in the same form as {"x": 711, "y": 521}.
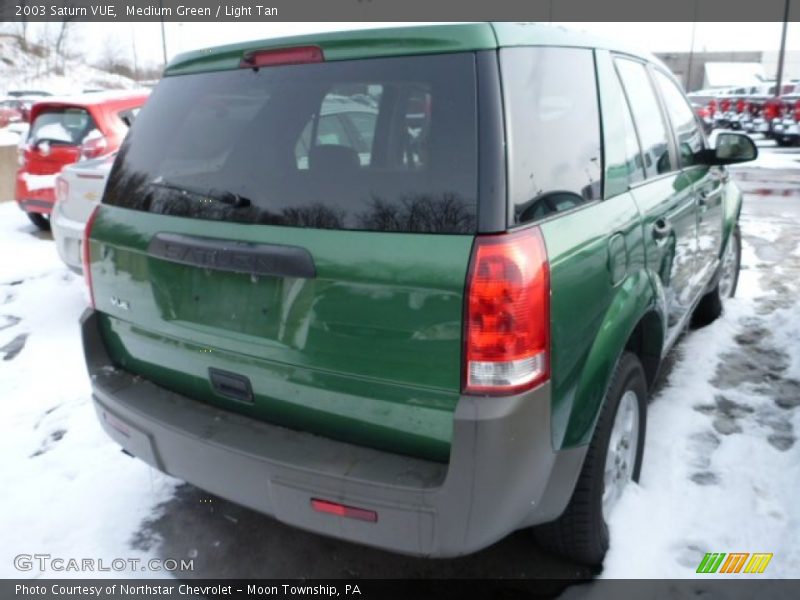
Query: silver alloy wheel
{"x": 729, "y": 268}
{"x": 621, "y": 453}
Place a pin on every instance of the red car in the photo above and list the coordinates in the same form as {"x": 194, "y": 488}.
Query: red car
{"x": 11, "y": 111}
{"x": 63, "y": 131}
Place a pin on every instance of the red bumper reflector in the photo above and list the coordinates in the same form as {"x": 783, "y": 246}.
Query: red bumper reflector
{"x": 340, "y": 510}
{"x": 282, "y": 56}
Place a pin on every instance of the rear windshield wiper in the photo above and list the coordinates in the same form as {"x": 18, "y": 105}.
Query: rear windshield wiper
{"x": 225, "y": 197}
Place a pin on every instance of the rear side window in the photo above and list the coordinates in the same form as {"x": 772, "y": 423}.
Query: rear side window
{"x": 69, "y": 126}
{"x": 378, "y": 144}
{"x": 623, "y": 158}
{"x": 553, "y": 130}
{"x": 650, "y": 125}
{"x": 687, "y": 133}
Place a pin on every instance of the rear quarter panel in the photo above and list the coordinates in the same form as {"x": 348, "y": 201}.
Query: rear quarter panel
{"x": 600, "y": 291}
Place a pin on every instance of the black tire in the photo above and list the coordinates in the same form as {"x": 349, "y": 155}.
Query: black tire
{"x": 41, "y": 221}
{"x": 581, "y": 533}
{"x": 710, "y": 307}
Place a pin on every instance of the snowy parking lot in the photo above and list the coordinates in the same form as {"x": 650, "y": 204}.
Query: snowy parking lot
{"x": 721, "y": 469}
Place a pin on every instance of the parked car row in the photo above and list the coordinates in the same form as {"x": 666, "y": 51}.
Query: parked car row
{"x": 64, "y": 131}
{"x": 16, "y": 106}
{"x": 759, "y": 109}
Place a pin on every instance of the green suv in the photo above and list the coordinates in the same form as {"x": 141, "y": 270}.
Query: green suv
{"x": 407, "y": 287}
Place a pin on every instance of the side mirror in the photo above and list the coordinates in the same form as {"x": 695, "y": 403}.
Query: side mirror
{"x": 729, "y": 148}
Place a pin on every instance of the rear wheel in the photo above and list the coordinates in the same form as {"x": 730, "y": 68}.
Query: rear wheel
{"x": 613, "y": 460}
{"x": 710, "y": 306}
{"x": 41, "y": 221}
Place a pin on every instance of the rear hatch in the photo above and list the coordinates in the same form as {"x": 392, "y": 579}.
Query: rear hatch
{"x": 292, "y": 242}
{"x": 55, "y": 137}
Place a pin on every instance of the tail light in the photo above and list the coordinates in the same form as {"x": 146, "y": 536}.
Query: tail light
{"x": 507, "y": 326}
{"x": 62, "y": 189}
{"x": 93, "y": 147}
{"x": 772, "y": 109}
{"x": 725, "y": 105}
{"x": 741, "y": 106}
{"x": 86, "y": 254}
{"x": 797, "y": 111}
{"x": 282, "y": 56}
{"x": 712, "y": 107}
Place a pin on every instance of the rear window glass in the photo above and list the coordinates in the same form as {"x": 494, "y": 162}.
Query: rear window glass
{"x": 378, "y": 144}
{"x": 62, "y": 126}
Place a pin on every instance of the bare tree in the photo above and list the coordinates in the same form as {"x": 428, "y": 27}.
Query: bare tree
{"x": 23, "y": 27}
{"x": 61, "y": 37}
{"x": 114, "y": 59}
{"x": 111, "y": 53}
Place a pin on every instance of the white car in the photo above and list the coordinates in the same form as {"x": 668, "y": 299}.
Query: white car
{"x": 79, "y": 188}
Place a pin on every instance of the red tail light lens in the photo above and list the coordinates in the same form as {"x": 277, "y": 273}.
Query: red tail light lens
{"x": 712, "y": 107}
{"x": 86, "y": 254}
{"x": 340, "y": 510}
{"x": 282, "y": 56}
{"x": 94, "y": 147}
{"x": 507, "y": 327}
{"x": 741, "y": 106}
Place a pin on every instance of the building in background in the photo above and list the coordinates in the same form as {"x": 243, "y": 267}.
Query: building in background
{"x": 728, "y": 69}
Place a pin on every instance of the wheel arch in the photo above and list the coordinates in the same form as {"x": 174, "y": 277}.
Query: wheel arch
{"x": 633, "y": 322}
{"x": 646, "y": 341}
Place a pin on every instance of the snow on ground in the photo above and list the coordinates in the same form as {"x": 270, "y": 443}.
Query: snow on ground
{"x": 39, "y": 182}
{"x": 24, "y": 70}
{"x": 775, "y": 160}
{"x": 722, "y": 463}
{"x": 67, "y": 489}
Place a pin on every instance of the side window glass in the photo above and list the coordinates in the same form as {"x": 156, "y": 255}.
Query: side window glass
{"x": 553, "y": 130}
{"x": 623, "y": 156}
{"x": 647, "y": 116}
{"x": 687, "y": 133}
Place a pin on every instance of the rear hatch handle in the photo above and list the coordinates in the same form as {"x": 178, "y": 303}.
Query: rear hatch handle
{"x": 231, "y": 385}
{"x": 233, "y": 256}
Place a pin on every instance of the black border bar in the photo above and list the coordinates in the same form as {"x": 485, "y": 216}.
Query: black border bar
{"x": 708, "y": 586}
{"x": 397, "y": 10}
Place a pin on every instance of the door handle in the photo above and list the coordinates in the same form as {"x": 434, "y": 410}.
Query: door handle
{"x": 662, "y": 229}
